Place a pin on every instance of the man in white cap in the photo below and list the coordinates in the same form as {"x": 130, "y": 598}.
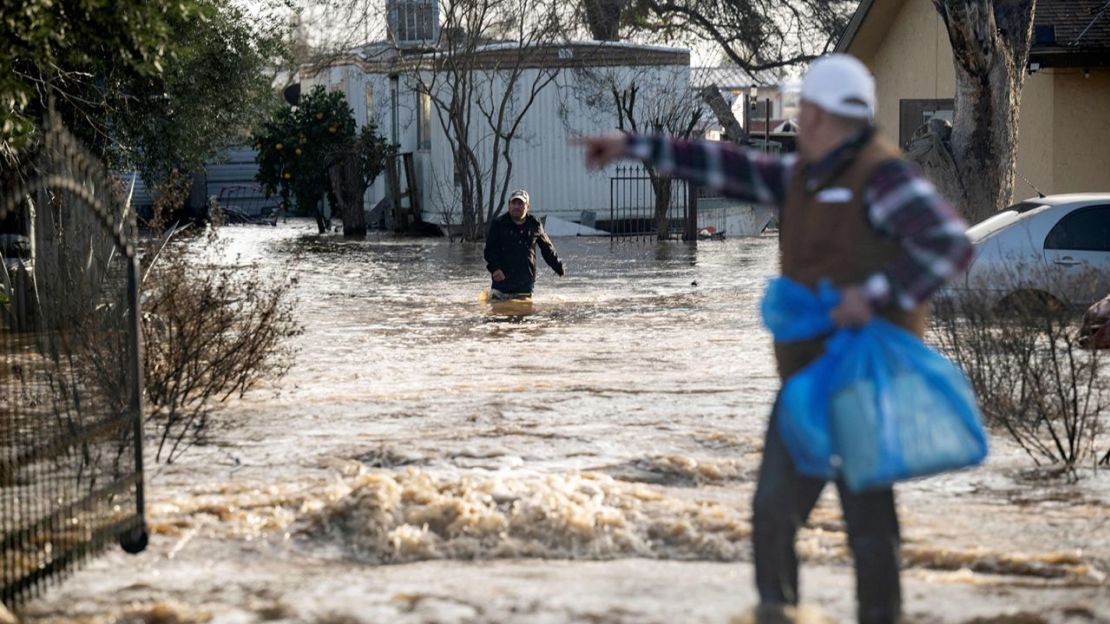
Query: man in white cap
{"x": 510, "y": 250}
{"x": 853, "y": 211}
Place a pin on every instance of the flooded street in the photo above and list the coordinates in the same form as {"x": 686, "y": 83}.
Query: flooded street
{"x": 431, "y": 458}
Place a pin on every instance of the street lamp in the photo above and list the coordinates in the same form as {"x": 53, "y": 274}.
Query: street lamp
{"x": 753, "y": 94}
{"x": 750, "y": 99}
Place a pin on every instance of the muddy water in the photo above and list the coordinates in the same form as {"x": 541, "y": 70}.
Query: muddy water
{"x": 431, "y": 458}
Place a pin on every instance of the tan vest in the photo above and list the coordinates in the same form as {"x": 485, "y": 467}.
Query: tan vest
{"x": 835, "y": 240}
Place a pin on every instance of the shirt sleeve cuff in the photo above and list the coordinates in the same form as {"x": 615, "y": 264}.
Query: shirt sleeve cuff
{"x": 638, "y": 146}
{"x": 877, "y": 288}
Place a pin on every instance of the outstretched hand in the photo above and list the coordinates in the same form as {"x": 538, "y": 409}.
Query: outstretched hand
{"x": 601, "y": 150}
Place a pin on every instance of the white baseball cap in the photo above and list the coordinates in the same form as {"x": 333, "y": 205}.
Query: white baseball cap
{"x": 520, "y": 194}
{"x": 841, "y": 85}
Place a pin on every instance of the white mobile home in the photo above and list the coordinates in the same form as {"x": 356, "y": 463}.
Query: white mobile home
{"x": 580, "y": 99}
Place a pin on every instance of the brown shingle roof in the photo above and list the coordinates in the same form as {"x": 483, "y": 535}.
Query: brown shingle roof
{"x": 1081, "y": 26}
{"x": 1078, "y": 23}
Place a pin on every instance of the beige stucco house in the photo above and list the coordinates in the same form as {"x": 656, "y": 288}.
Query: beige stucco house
{"x": 1064, "y": 141}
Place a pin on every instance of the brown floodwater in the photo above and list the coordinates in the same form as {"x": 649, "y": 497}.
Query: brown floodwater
{"x": 586, "y": 458}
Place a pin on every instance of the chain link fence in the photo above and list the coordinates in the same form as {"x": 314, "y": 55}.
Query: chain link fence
{"x": 71, "y": 472}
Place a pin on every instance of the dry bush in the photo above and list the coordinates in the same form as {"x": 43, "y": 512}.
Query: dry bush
{"x": 1033, "y": 378}
{"x": 210, "y": 332}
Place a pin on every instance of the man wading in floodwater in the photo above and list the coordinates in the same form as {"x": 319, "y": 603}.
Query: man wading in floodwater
{"x": 511, "y": 250}
{"x": 853, "y": 211}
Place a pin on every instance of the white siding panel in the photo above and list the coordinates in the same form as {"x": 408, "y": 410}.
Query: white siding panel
{"x": 544, "y": 162}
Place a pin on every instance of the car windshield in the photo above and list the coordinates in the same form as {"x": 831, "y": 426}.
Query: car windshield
{"x": 992, "y": 224}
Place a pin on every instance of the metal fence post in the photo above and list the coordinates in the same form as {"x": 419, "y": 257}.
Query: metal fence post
{"x": 691, "y": 211}
{"x": 136, "y": 539}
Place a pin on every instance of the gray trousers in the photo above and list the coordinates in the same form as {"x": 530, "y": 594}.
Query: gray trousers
{"x": 783, "y": 501}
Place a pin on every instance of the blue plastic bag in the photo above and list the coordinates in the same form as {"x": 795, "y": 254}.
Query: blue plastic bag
{"x": 793, "y": 312}
{"x": 899, "y": 410}
{"x": 878, "y": 407}
{"x": 803, "y": 418}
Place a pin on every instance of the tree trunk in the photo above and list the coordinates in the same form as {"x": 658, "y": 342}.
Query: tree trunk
{"x": 311, "y": 205}
{"x": 661, "y": 185}
{"x": 469, "y": 205}
{"x": 733, "y": 130}
{"x": 349, "y": 189}
{"x": 974, "y": 162}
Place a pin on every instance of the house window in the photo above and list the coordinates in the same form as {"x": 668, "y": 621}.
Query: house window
{"x": 913, "y": 114}
{"x": 413, "y": 21}
{"x": 369, "y": 88}
{"x": 424, "y": 120}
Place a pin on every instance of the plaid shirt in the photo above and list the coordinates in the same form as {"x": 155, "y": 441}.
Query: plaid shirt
{"x": 901, "y": 204}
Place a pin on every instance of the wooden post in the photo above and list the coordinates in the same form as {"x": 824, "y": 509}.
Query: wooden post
{"x": 395, "y": 194}
{"x": 410, "y": 185}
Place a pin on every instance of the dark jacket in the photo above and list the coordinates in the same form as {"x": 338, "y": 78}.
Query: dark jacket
{"x": 512, "y": 249}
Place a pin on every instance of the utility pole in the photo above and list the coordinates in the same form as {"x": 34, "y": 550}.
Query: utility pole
{"x": 767, "y": 128}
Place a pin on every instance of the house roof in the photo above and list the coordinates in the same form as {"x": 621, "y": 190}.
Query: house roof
{"x": 1077, "y": 23}
{"x": 779, "y": 127}
{"x": 726, "y": 77}
{"x": 1067, "y": 32}
{"x": 849, "y": 35}
{"x": 581, "y": 54}
{"x": 384, "y": 57}
{"x": 1071, "y": 33}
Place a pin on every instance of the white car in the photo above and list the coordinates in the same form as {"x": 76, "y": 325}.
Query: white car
{"x": 1048, "y": 250}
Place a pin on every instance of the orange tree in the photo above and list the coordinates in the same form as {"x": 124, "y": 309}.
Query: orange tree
{"x": 298, "y": 146}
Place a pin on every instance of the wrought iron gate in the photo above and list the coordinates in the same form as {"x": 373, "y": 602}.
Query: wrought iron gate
{"x": 71, "y": 470}
{"x": 643, "y": 207}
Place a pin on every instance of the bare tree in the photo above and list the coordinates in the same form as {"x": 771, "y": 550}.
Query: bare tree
{"x": 487, "y": 72}
{"x": 1034, "y": 378}
{"x": 973, "y": 160}
{"x": 210, "y": 332}
{"x": 752, "y": 34}
{"x": 679, "y": 114}
{"x": 639, "y": 100}
{"x": 755, "y": 35}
